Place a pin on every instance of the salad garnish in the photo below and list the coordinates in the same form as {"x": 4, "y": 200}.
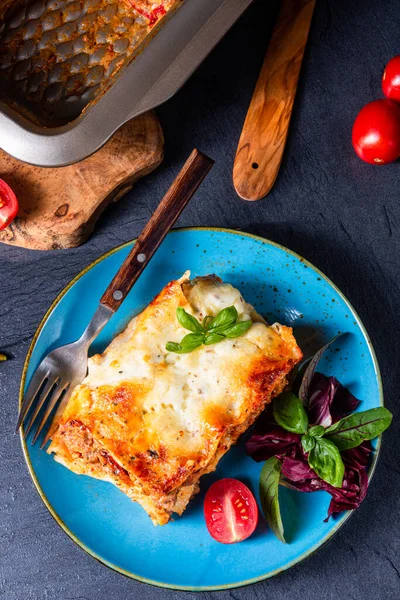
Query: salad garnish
{"x": 312, "y": 442}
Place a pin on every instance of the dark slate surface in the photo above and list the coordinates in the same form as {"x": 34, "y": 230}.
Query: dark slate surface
{"x": 342, "y": 215}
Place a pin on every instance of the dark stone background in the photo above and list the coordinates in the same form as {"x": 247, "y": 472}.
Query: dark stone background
{"x": 339, "y": 213}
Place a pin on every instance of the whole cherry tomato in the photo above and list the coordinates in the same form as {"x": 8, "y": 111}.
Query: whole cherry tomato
{"x": 8, "y": 205}
{"x": 376, "y": 132}
{"x": 230, "y": 511}
{"x": 391, "y": 79}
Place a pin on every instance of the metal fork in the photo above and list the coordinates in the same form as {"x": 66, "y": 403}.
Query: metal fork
{"x": 65, "y": 367}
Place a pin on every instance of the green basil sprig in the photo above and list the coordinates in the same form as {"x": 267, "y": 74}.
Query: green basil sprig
{"x": 351, "y": 431}
{"x": 269, "y": 484}
{"x": 211, "y": 331}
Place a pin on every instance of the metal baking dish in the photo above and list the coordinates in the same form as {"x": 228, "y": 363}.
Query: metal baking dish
{"x": 51, "y": 119}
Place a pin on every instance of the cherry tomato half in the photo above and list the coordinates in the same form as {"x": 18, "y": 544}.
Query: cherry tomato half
{"x": 376, "y": 132}
{"x": 391, "y": 79}
{"x": 230, "y": 511}
{"x": 8, "y": 205}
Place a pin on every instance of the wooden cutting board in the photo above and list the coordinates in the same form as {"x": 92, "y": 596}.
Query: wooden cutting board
{"x": 59, "y": 207}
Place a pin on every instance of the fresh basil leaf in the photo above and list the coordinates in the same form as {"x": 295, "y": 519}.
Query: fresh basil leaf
{"x": 289, "y": 413}
{"x": 238, "y": 329}
{"x": 189, "y": 343}
{"x": 188, "y": 321}
{"x": 309, "y": 372}
{"x": 316, "y": 431}
{"x": 357, "y": 427}
{"x": 206, "y": 322}
{"x": 269, "y": 484}
{"x": 225, "y": 317}
{"x": 213, "y": 338}
{"x": 326, "y": 461}
{"x": 308, "y": 442}
{"x": 173, "y": 347}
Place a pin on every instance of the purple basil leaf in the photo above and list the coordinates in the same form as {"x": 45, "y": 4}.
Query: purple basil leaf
{"x": 344, "y": 403}
{"x": 351, "y": 494}
{"x": 276, "y": 441}
{"x": 297, "y": 469}
{"x": 308, "y": 375}
{"x": 348, "y": 497}
{"x": 329, "y": 400}
{"x": 358, "y": 457}
{"x": 307, "y": 485}
{"x": 321, "y": 393}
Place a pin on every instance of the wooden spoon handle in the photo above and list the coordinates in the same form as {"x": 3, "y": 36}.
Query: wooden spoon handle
{"x": 181, "y": 191}
{"x": 263, "y": 139}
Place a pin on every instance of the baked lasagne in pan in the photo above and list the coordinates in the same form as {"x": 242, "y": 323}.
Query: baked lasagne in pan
{"x": 75, "y": 51}
{"x": 152, "y": 10}
{"x": 152, "y": 422}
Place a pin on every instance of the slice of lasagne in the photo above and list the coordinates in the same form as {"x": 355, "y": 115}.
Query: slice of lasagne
{"x": 152, "y": 422}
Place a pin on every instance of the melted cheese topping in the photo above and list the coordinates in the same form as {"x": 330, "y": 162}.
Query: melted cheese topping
{"x": 163, "y": 417}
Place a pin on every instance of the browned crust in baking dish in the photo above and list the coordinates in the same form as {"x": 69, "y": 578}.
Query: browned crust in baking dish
{"x": 57, "y": 58}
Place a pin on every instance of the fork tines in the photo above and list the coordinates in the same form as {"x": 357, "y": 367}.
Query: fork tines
{"x": 43, "y": 394}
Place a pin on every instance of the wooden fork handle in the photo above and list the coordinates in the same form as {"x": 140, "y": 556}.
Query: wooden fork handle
{"x": 181, "y": 191}
{"x": 263, "y": 139}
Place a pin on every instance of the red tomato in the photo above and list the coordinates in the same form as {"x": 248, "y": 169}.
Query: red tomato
{"x": 391, "y": 79}
{"x": 8, "y": 205}
{"x": 230, "y": 511}
{"x": 376, "y": 132}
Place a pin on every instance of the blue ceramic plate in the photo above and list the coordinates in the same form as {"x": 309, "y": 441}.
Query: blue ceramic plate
{"x": 182, "y": 555}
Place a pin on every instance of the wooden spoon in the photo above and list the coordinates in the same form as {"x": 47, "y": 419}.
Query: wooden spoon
{"x": 263, "y": 139}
